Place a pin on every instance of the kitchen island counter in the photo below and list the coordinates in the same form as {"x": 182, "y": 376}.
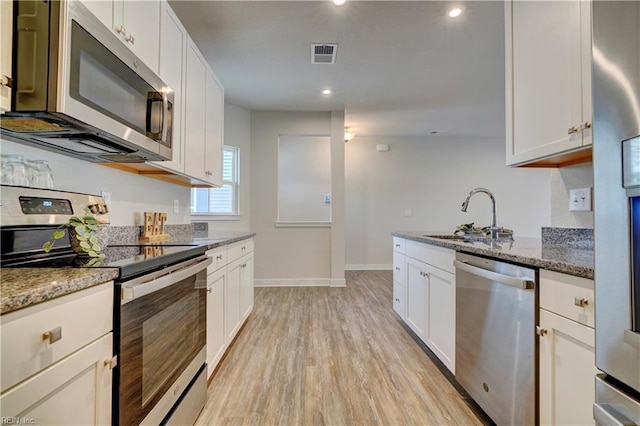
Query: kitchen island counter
{"x": 22, "y": 287}
{"x": 569, "y": 258}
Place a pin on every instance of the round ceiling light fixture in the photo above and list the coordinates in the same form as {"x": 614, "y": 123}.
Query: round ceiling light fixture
{"x": 455, "y": 12}
{"x": 326, "y": 92}
{"x": 338, "y": 2}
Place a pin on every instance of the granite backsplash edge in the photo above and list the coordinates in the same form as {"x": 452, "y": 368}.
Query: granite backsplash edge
{"x": 573, "y": 237}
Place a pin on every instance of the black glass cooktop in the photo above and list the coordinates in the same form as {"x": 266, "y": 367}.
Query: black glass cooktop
{"x": 132, "y": 261}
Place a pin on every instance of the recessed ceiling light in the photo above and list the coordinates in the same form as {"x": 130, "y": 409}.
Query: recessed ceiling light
{"x": 338, "y": 2}
{"x": 455, "y": 12}
{"x": 326, "y": 92}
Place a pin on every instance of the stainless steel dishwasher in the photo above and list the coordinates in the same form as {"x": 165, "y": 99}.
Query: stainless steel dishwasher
{"x": 495, "y": 337}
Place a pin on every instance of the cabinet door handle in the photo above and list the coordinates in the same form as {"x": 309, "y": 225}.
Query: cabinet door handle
{"x": 130, "y": 39}
{"x": 209, "y": 290}
{"x": 219, "y": 257}
{"x": 111, "y": 363}
{"x": 540, "y": 331}
{"x": 580, "y": 301}
{"x": 121, "y": 30}
{"x": 585, "y": 125}
{"x": 571, "y": 130}
{"x": 397, "y": 268}
{"x": 52, "y": 335}
{"x": 398, "y": 245}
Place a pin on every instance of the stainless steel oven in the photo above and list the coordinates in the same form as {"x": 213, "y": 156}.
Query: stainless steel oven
{"x": 161, "y": 330}
{"x": 159, "y": 311}
{"x": 78, "y": 90}
{"x": 616, "y": 163}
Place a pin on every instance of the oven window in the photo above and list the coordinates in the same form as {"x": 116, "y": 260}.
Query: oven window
{"x": 166, "y": 336}
{"x": 161, "y": 333}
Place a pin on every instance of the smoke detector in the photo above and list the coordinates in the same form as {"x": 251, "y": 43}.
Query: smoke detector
{"x": 323, "y": 53}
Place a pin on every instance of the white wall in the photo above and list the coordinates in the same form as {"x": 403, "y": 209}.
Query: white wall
{"x": 284, "y": 256}
{"x": 432, "y": 177}
{"x": 131, "y": 194}
{"x": 237, "y": 132}
{"x": 562, "y": 180}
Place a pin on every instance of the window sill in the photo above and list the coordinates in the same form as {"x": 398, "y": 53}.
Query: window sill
{"x": 197, "y": 217}
{"x": 302, "y": 224}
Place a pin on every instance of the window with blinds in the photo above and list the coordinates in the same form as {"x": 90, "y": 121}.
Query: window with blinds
{"x": 223, "y": 200}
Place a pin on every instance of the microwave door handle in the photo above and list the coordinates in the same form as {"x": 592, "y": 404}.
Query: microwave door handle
{"x": 152, "y": 98}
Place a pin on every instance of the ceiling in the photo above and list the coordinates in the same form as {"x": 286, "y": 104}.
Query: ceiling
{"x": 403, "y": 68}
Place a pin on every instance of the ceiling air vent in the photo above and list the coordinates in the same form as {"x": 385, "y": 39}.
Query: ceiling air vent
{"x": 323, "y": 53}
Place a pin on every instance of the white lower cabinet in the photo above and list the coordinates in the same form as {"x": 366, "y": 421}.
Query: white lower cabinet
{"x": 229, "y": 297}
{"x": 57, "y": 358}
{"x": 441, "y": 327}
{"x": 232, "y": 300}
{"x": 417, "y": 294}
{"x": 424, "y": 292}
{"x": 566, "y": 350}
{"x": 215, "y": 319}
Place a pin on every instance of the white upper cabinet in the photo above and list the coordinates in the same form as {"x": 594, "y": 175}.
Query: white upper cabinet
{"x": 173, "y": 47}
{"x": 6, "y": 13}
{"x": 137, "y": 24}
{"x": 204, "y": 106}
{"x": 548, "y": 82}
{"x": 214, "y": 129}
{"x": 195, "y": 117}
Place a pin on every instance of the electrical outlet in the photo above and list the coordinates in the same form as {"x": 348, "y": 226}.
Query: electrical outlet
{"x": 327, "y": 198}
{"x": 580, "y": 200}
{"x": 176, "y": 206}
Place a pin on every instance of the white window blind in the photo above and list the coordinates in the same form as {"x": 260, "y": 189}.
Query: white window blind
{"x": 223, "y": 200}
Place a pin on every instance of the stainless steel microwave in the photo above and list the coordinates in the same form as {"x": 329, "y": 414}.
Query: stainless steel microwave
{"x": 78, "y": 90}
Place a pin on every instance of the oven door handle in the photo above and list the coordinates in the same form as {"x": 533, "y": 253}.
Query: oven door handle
{"x": 137, "y": 288}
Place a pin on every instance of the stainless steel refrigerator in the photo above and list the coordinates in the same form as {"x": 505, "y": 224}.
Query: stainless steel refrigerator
{"x": 616, "y": 162}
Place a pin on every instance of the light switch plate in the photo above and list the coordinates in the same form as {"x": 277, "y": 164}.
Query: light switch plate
{"x": 580, "y": 200}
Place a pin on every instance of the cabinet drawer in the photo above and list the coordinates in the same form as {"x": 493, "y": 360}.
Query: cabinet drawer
{"x": 76, "y": 390}
{"x": 218, "y": 256}
{"x": 81, "y": 317}
{"x": 399, "y": 244}
{"x": 439, "y": 257}
{"x": 399, "y": 299}
{"x": 238, "y": 249}
{"x": 399, "y": 268}
{"x": 569, "y": 296}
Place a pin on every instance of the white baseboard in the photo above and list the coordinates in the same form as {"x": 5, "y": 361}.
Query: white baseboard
{"x": 293, "y": 282}
{"x": 338, "y": 282}
{"x": 368, "y": 267}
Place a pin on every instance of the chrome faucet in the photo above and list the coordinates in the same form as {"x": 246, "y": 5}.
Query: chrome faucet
{"x": 494, "y": 227}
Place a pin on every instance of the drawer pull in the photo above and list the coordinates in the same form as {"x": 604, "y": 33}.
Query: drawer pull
{"x": 111, "y": 363}
{"x": 398, "y": 245}
{"x": 397, "y": 268}
{"x": 580, "y": 301}
{"x": 219, "y": 257}
{"x": 52, "y": 335}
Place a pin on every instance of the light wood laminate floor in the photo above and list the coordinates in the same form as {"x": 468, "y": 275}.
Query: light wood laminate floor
{"x": 334, "y": 356}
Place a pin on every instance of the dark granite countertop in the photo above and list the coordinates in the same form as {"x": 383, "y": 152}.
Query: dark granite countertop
{"x": 23, "y": 287}
{"x": 568, "y": 258}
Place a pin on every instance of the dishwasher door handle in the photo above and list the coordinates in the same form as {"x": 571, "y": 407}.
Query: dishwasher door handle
{"x": 522, "y": 283}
